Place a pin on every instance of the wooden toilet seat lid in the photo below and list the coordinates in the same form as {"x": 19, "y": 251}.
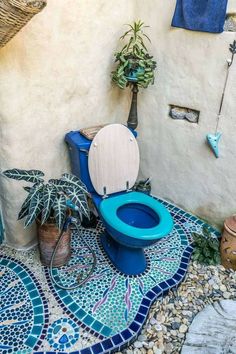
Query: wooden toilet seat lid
{"x": 113, "y": 159}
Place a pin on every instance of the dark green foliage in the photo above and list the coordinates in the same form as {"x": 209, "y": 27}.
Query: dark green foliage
{"x": 50, "y": 199}
{"x": 134, "y": 57}
{"x": 232, "y": 47}
{"x": 206, "y": 247}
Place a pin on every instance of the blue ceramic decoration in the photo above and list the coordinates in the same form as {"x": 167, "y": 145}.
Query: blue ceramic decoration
{"x": 213, "y": 141}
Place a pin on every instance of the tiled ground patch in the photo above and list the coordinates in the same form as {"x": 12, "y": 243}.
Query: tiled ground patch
{"x": 109, "y": 311}
{"x": 23, "y": 308}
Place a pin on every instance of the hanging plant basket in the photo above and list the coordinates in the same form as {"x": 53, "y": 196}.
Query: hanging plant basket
{"x": 14, "y": 14}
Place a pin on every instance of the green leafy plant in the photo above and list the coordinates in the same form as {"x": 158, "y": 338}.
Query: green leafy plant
{"x": 135, "y": 64}
{"x": 206, "y": 247}
{"x": 49, "y": 199}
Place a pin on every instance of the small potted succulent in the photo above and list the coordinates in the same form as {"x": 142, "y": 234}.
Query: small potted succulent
{"x": 206, "y": 247}
{"x": 135, "y": 64}
{"x": 47, "y": 204}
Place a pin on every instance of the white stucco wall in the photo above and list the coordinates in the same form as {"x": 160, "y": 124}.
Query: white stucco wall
{"x": 55, "y": 77}
{"x": 192, "y": 69}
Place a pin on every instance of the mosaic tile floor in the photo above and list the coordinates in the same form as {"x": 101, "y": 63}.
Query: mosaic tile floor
{"x": 104, "y": 315}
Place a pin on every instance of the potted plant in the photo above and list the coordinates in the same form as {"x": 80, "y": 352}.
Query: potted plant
{"x": 206, "y": 247}
{"x": 135, "y": 64}
{"x": 47, "y": 204}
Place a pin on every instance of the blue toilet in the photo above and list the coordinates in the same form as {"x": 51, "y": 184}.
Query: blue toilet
{"x": 109, "y": 166}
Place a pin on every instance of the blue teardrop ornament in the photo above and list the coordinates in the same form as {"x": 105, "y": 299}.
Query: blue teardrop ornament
{"x": 213, "y": 142}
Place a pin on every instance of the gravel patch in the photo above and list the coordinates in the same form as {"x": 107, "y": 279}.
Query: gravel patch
{"x": 169, "y": 319}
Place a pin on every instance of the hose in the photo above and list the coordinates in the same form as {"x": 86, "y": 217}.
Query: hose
{"x": 68, "y": 221}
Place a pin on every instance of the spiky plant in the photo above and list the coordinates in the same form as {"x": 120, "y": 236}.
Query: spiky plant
{"x": 49, "y": 199}
{"x": 206, "y": 247}
{"x": 135, "y": 64}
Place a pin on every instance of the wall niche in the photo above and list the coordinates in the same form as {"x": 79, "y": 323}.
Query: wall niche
{"x": 183, "y": 113}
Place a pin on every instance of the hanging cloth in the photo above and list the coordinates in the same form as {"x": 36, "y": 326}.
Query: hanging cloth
{"x": 200, "y": 15}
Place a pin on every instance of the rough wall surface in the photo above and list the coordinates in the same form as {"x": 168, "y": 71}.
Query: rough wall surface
{"x": 55, "y": 77}
{"x": 192, "y": 69}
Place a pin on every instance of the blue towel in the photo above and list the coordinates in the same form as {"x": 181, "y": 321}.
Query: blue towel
{"x": 200, "y": 15}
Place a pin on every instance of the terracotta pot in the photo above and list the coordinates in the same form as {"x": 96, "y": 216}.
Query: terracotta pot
{"x": 228, "y": 243}
{"x": 48, "y": 235}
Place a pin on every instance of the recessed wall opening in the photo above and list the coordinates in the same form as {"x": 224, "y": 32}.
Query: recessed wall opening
{"x": 184, "y": 113}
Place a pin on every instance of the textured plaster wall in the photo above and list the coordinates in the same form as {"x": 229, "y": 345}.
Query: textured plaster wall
{"x": 54, "y": 77}
{"x": 192, "y": 69}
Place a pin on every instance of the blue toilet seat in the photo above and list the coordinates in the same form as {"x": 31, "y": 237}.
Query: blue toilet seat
{"x": 109, "y": 207}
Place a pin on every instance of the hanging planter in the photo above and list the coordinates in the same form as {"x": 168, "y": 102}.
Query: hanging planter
{"x": 14, "y": 14}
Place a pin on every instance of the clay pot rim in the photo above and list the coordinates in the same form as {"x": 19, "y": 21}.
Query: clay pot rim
{"x": 229, "y": 230}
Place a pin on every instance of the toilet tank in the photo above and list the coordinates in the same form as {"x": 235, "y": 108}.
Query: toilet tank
{"x": 78, "y": 150}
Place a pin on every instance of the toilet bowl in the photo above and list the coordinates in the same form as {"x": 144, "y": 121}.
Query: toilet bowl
{"x": 132, "y": 220}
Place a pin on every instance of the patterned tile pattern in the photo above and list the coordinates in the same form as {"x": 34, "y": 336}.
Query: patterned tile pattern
{"x": 62, "y": 334}
{"x": 23, "y": 308}
{"x": 114, "y": 306}
{"x": 104, "y": 315}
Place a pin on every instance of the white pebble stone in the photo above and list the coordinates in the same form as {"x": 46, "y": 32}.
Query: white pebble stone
{"x": 142, "y": 338}
{"x": 156, "y": 350}
{"x": 138, "y": 344}
{"x": 151, "y": 344}
{"x": 183, "y": 328}
{"x": 152, "y": 321}
{"x": 158, "y": 327}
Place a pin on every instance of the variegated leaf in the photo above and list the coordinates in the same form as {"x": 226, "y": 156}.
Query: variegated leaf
{"x": 26, "y": 175}
{"x": 27, "y": 189}
{"x": 59, "y": 184}
{"x": 25, "y": 206}
{"x": 49, "y": 195}
{"x": 74, "y": 181}
{"x": 79, "y": 199}
{"x": 36, "y": 206}
{"x": 23, "y": 212}
{"x": 60, "y": 207}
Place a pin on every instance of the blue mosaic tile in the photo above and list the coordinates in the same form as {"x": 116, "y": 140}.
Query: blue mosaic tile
{"x": 114, "y": 306}
{"x": 97, "y": 348}
{"x": 24, "y": 330}
{"x": 63, "y": 334}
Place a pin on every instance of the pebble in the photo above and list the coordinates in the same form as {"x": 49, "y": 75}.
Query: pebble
{"x": 138, "y": 344}
{"x": 175, "y": 325}
{"x": 150, "y": 351}
{"x": 152, "y": 321}
{"x": 142, "y": 338}
{"x": 151, "y": 344}
{"x": 157, "y": 350}
{"x": 183, "y": 328}
{"x": 158, "y": 327}
{"x": 223, "y": 288}
{"x": 226, "y": 295}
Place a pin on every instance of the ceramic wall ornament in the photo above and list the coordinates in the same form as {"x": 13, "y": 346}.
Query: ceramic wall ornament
{"x": 213, "y": 139}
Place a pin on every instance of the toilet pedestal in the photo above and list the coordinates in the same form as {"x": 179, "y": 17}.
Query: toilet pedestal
{"x": 130, "y": 261}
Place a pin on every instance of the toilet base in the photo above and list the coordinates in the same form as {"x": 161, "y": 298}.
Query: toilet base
{"x": 130, "y": 261}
